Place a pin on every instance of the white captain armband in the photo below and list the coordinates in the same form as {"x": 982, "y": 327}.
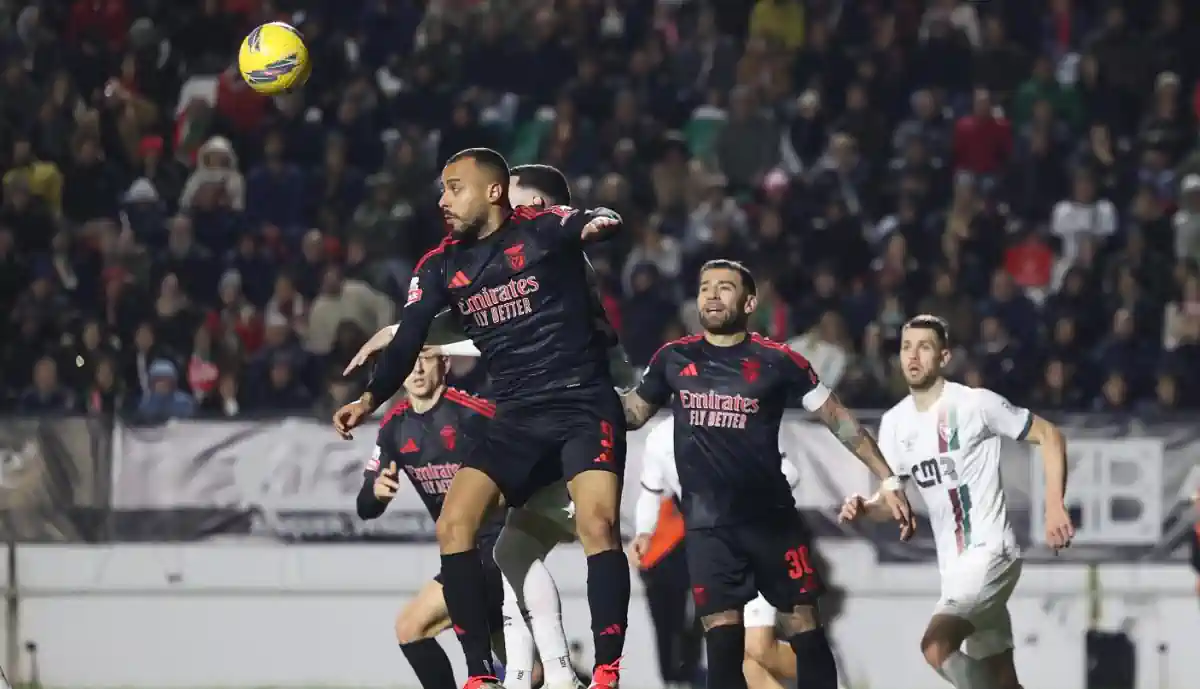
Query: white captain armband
{"x": 461, "y": 348}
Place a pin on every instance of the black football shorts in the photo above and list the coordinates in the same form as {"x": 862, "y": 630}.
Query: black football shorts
{"x": 730, "y": 565}
{"x": 533, "y": 444}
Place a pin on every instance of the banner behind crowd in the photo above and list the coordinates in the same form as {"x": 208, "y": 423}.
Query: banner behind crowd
{"x": 293, "y": 479}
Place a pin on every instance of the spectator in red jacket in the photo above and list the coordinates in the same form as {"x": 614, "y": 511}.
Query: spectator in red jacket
{"x": 983, "y": 139}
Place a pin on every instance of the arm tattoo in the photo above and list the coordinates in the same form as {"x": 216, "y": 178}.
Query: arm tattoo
{"x": 851, "y": 434}
{"x": 637, "y": 410}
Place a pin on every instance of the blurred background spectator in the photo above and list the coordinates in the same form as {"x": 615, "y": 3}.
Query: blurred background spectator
{"x": 172, "y": 244}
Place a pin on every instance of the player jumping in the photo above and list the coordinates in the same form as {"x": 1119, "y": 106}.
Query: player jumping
{"x": 767, "y": 660}
{"x": 531, "y": 596}
{"x": 425, "y": 437}
{"x": 729, "y": 390}
{"x": 518, "y": 284}
{"x": 946, "y": 438}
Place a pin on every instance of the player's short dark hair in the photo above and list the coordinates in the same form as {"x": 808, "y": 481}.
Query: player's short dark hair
{"x": 737, "y": 267}
{"x": 548, "y": 180}
{"x": 485, "y": 158}
{"x": 938, "y": 325}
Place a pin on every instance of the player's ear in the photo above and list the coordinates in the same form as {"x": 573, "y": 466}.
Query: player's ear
{"x": 751, "y": 303}
{"x": 496, "y": 192}
{"x": 947, "y": 355}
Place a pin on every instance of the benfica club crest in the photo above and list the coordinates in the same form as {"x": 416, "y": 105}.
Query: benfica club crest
{"x": 449, "y": 437}
{"x": 751, "y": 369}
{"x": 516, "y": 256}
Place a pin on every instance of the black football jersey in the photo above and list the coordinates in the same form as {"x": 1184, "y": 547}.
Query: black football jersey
{"x": 522, "y": 295}
{"x": 728, "y": 403}
{"x": 428, "y": 448}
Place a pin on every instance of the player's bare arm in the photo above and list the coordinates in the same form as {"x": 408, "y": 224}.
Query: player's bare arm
{"x": 845, "y": 426}
{"x": 1047, "y": 436}
{"x": 842, "y": 422}
{"x": 377, "y": 342}
{"x": 426, "y": 298}
{"x": 637, "y": 410}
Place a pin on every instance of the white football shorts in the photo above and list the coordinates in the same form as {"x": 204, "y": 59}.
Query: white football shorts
{"x": 758, "y": 613}
{"x": 976, "y": 587}
{"x": 553, "y": 503}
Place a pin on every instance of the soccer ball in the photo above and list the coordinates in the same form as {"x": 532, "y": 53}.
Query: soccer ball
{"x": 273, "y": 59}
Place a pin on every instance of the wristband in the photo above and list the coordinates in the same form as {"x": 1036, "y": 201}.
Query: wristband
{"x": 891, "y": 484}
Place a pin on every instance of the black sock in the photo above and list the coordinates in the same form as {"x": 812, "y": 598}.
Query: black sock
{"x": 815, "y": 666}
{"x": 608, "y": 599}
{"x": 429, "y": 662}
{"x": 726, "y": 646}
{"x": 464, "y": 587}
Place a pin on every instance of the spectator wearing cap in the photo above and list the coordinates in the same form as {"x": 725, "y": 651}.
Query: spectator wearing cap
{"x": 164, "y": 400}
{"x": 144, "y": 210}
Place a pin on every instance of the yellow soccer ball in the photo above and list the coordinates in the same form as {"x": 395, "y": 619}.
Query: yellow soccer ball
{"x": 273, "y": 59}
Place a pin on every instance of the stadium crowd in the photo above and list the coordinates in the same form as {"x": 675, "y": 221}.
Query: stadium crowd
{"x": 172, "y": 244}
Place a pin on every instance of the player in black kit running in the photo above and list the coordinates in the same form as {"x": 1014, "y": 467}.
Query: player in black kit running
{"x": 730, "y": 389}
{"x": 518, "y": 283}
{"x": 425, "y": 437}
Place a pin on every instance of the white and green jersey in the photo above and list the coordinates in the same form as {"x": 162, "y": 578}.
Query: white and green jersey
{"x": 951, "y": 451}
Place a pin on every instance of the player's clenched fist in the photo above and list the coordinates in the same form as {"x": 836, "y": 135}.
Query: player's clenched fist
{"x": 386, "y": 484}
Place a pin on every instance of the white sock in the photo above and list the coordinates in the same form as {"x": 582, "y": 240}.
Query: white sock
{"x": 964, "y": 672}
{"x": 520, "y": 557}
{"x": 518, "y": 644}
{"x": 545, "y": 616}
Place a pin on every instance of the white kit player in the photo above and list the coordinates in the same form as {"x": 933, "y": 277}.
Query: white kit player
{"x": 946, "y": 438}
{"x": 768, "y": 660}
